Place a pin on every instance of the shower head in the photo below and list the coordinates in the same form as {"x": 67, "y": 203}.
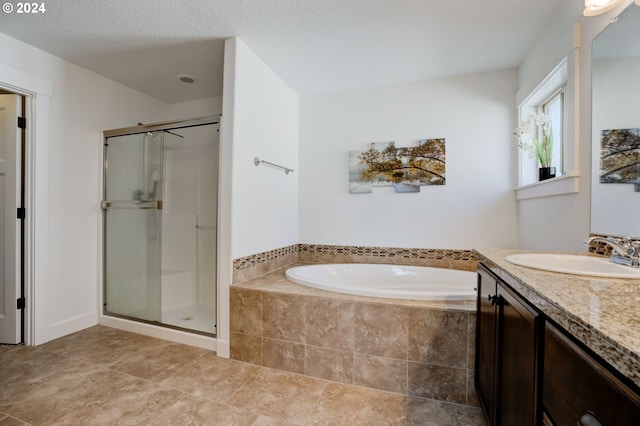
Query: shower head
{"x": 153, "y": 134}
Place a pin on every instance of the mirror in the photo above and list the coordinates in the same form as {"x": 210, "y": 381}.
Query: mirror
{"x": 615, "y": 65}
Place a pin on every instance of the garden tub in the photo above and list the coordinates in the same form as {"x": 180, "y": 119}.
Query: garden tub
{"x": 388, "y": 281}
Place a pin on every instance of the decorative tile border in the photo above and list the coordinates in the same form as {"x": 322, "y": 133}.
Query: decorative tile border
{"x": 249, "y": 267}
{"x": 255, "y": 265}
{"x": 600, "y": 247}
{"x": 264, "y": 257}
{"x": 385, "y": 252}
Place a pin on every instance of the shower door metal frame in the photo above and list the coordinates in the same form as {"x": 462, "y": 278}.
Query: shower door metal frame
{"x": 166, "y": 125}
{"x": 104, "y": 204}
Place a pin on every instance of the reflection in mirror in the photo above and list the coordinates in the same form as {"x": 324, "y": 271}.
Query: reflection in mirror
{"x": 615, "y": 207}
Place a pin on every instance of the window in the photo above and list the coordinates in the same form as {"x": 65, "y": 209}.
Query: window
{"x": 548, "y": 98}
{"x": 554, "y": 108}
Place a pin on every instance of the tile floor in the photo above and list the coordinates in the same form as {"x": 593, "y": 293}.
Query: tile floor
{"x": 107, "y": 376}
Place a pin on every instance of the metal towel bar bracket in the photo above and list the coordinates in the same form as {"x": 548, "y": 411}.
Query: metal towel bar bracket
{"x": 257, "y": 162}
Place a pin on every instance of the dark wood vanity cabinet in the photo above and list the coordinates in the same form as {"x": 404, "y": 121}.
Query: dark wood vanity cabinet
{"x": 529, "y": 371}
{"x": 486, "y": 345}
{"x": 508, "y": 352}
{"x": 578, "y": 390}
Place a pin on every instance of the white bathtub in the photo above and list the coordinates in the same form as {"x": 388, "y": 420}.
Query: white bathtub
{"x": 391, "y": 281}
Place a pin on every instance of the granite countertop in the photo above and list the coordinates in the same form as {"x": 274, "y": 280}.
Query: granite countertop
{"x": 602, "y": 313}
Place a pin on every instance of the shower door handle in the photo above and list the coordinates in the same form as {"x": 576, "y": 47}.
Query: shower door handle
{"x": 128, "y": 204}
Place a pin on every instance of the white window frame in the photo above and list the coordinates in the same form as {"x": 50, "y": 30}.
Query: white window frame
{"x": 550, "y": 86}
{"x": 566, "y": 181}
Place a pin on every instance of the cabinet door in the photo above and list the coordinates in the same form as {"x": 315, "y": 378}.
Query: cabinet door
{"x": 577, "y": 388}
{"x": 486, "y": 323}
{"x": 520, "y": 352}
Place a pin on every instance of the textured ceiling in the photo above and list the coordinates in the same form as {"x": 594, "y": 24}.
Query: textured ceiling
{"x": 313, "y": 45}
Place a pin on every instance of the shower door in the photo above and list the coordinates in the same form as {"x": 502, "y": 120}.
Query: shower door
{"x": 132, "y": 209}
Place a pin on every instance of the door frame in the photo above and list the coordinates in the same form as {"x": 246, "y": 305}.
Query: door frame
{"x": 37, "y": 93}
{"x": 13, "y": 242}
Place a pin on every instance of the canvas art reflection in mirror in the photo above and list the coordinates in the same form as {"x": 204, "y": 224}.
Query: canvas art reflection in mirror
{"x": 619, "y": 155}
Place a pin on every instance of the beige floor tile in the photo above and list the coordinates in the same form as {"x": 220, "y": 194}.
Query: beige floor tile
{"x": 279, "y": 394}
{"x": 211, "y": 377}
{"x": 270, "y": 421}
{"x": 66, "y": 390}
{"x": 23, "y": 365}
{"x": 110, "y": 350}
{"x": 428, "y": 412}
{"x": 133, "y": 401}
{"x": 344, "y": 404}
{"x": 68, "y": 344}
{"x": 106, "y": 376}
{"x": 10, "y": 421}
{"x": 191, "y": 410}
{"x": 157, "y": 361}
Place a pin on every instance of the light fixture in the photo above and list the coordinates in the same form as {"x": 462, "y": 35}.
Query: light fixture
{"x": 186, "y": 78}
{"x": 597, "y": 7}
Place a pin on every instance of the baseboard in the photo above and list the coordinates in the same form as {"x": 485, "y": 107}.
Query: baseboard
{"x": 172, "y": 335}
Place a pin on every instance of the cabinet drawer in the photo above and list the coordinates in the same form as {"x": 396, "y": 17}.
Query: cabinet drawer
{"x": 576, "y": 385}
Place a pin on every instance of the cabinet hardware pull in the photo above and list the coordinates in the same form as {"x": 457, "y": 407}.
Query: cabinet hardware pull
{"x": 589, "y": 419}
{"x": 496, "y": 300}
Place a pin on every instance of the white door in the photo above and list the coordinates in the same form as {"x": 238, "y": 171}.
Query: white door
{"x": 10, "y": 244}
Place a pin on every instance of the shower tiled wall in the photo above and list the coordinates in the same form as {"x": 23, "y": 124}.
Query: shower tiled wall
{"x": 415, "y": 351}
{"x": 249, "y": 267}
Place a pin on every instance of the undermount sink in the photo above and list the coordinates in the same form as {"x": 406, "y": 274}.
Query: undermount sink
{"x": 574, "y": 264}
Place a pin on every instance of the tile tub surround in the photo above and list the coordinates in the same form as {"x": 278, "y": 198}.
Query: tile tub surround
{"x": 604, "y": 314}
{"x": 249, "y": 267}
{"x": 416, "y": 348}
{"x": 255, "y": 265}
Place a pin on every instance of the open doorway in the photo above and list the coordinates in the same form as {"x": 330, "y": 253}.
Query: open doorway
{"x": 12, "y": 217}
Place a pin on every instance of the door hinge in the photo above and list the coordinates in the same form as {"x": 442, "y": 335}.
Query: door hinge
{"x": 22, "y": 213}
{"x": 21, "y": 303}
{"x": 22, "y": 122}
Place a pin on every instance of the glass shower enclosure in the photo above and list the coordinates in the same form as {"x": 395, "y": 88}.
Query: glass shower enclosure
{"x": 159, "y": 224}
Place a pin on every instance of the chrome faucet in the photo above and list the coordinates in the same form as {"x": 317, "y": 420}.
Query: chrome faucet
{"x": 625, "y": 250}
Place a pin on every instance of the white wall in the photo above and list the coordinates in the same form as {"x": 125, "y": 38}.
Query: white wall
{"x": 557, "y": 222}
{"x": 83, "y": 104}
{"x": 196, "y": 108}
{"x": 258, "y": 205}
{"x": 562, "y": 222}
{"x": 476, "y": 207}
{"x": 265, "y": 125}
